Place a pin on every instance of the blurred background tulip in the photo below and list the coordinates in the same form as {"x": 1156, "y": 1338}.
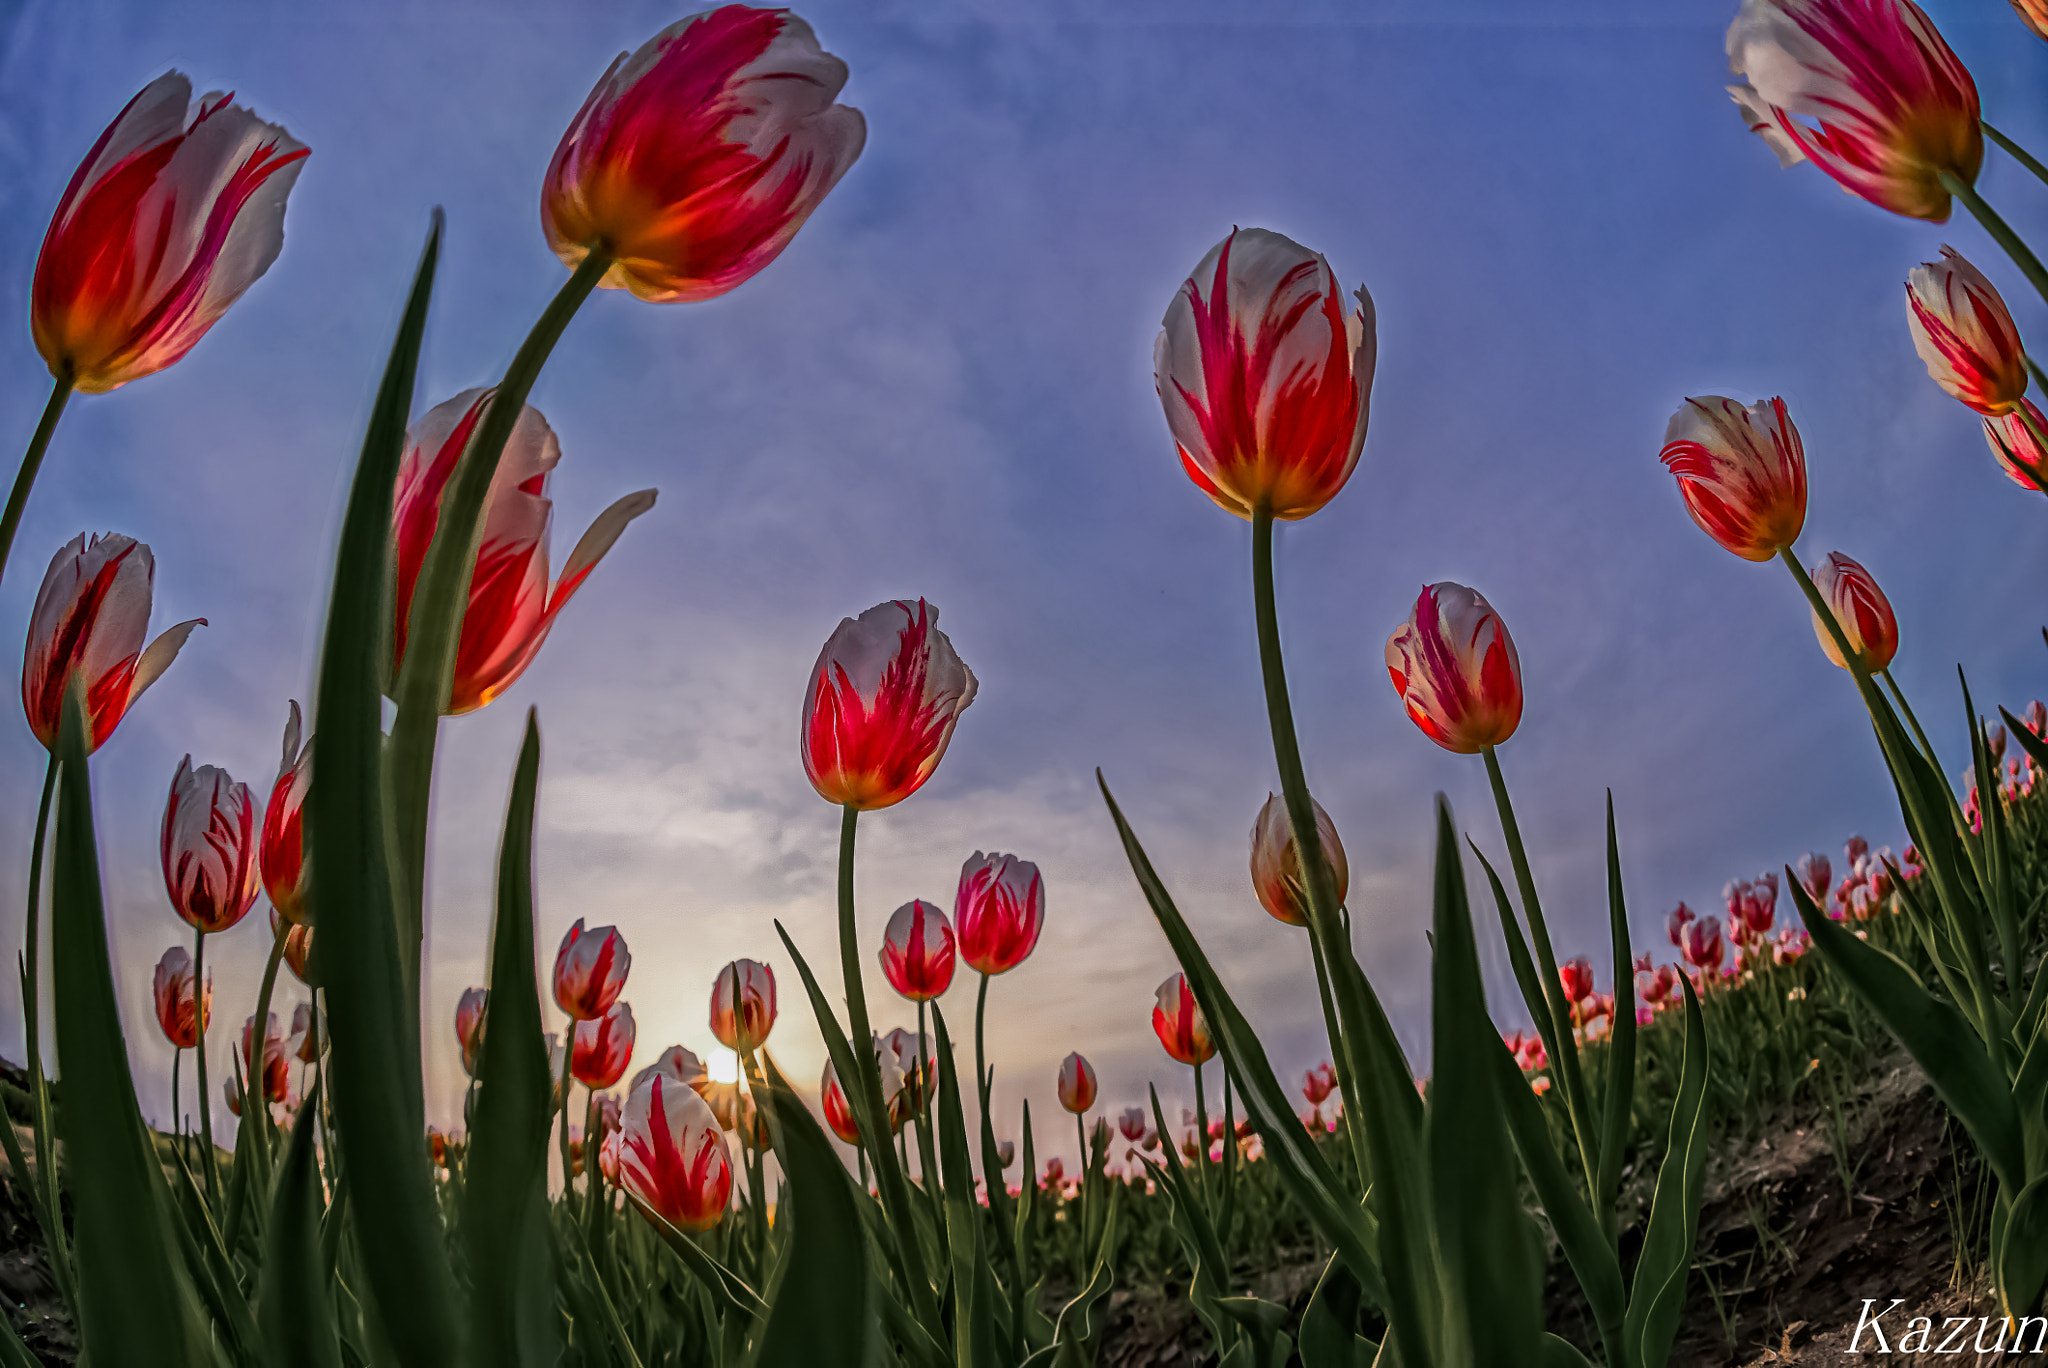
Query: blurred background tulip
{"x": 998, "y": 911}
{"x": 1276, "y": 865}
{"x": 1860, "y": 609}
{"x": 272, "y": 1077}
{"x": 917, "y": 951}
{"x": 884, "y": 697}
{"x": 838, "y": 1111}
{"x": 590, "y": 970}
{"x": 1741, "y": 471}
{"x": 209, "y": 847}
{"x": 1076, "y": 1084}
{"x": 672, "y": 1158}
{"x": 743, "y": 1005}
{"x": 469, "y": 1026}
{"x": 1964, "y": 333}
{"x": 1455, "y": 667}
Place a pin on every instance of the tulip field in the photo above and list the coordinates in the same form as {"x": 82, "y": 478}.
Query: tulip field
{"x": 1551, "y": 1179}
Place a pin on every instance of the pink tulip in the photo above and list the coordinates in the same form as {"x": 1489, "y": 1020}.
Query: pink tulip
{"x": 601, "y": 1049}
{"x": 1741, "y": 471}
{"x": 1318, "y": 1083}
{"x": 1076, "y": 1084}
{"x": 1860, "y": 609}
{"x": 1455, "y": 667}
{"x": 672, "y": 1159}
{"x": 884, "y": 698}
{"x": 1815, "y": 875}
{"x": 838, "y": 1111}
{"x": 1178, "y": 1022}
{"x": 998, "y": 911}
{"x": 590, "y": 971}
{"x": 469, "y": 1026}
{"x": 1675, "y": 924}
{"x": 209, "y": 847}
{"x": 743, "y": 1005}
{"x": 918, "y": 951}
{"x": 1700, "y": 943}
{"x": 181, "y": 1010}
{"x": 1276, "y": 867}
{"x": 1132, "y": 1124}
{"x": 305, "y": 1036}
{"x": 1965, "y": 335}
{"x": 1752, "y": 906}
{"x": 1576, "y": 977}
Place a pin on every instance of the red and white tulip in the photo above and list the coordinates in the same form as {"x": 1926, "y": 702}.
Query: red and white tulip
{"x": 208, "y": 847}
{"x": 1860, "y": 609}
{"x": 743, "y": 1005}
{"x": 1276, "y": 865}
{"x": 182, "y": 1008}
{"x": 272, "y": 1078}
{"x": 1741, "y": 471}
{"x": 2018, "y": 450}
{"x": 838, "y": 1111}
{"x": 590, "y": 970}
{"x": 1455, "y": 667}
{"x": 672, "y": 1158}
{"x": 884, "y": 698}
{"x": 918, "y": 951}
{"x": 601, "y": 1049}
{"x": 469, "y": 1026}
{"x": 1076, "y": 1083}
{"x": 1178, "y": 1022}
{"x": 998, "y": 911}
{"x": 284, "y": 827}
{"x": 1964, "y": 333}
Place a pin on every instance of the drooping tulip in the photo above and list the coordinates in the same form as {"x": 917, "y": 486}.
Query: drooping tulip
{"x": 209, "y": 847}
{"x": 1076, "y": 1083}
{"x": 511, "y": 605}
{"x": 182, "y": 1009}
{"x": 695, "y": 160}
{"x": 677, "y": 1062}
{"x": 284, "y": 848}
{"x": 590, "y": 970}
{"x": 918, "y": 951}
{"x": 602, "y": 1048}
{"x": 469, "y": 1026}
{"x": 884, "y": 698}
{"x": 298, "y": 947}
{"x": 2018, "y": 450}
{"x": 90, "y": 619}
{"x": 1178, "y": 1022}
{"x": 1862, "y": 611}
{"x": 1265, "y": 377}
{"x": 1964, "y": 333}
{"x": 743, "y": 1005}
{"x": 672, "y": 1157}
{"x": 176, "y": 210}
{"x": 1455, "y": 667}
{"x": 272, "y": 1078}
{"x": 838, "y": 1111}
{"x": 1864, "y": 89}
{"x": 1276, "y": 866}
{"x": 1741, "y": 471}
{"x": 998, "y": 911}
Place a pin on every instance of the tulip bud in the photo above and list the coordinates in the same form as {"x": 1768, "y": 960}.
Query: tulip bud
{"x": 1741, "y": 471}
{"x": 884, "y": 698}
{"x": 1455, "y": 667}
{"x": 672, "y": 1159}
{"x": 1131, "y": 1123}
{"x": 917, "y": 951}
{"x": 233, "y": 1093}
{"x": 306, "y": 1043}
{"x": 1962, "y": 330}
{"x": 1177, "y": 1021}
{"x": 298, "y": 947}
{"x": 1076, "y": 1084}
{"x": 838, "y": 1111}
{"x": 906, "y": 1063}
{"x": 181, "y": 1011}
{"x": 608, "y": 1155}
{"x": 602, "y": 1048}
{"x": 272, "y": 1078}
{"x": 1675, "y": 924}
{"x": 590, "y": 970}
{"x": 209, "y": 847}
{"x": 469, "y": 1026}
{"x": 1276, "y": 865}
{"x": 1318, "y": 1083}
{"x": 1860, "y": 609}
{"x": 283, "y": 848}
{"x": 998, "y": 911}
{"x": 678, "y": 1064}
{"x": 2018, "y": 450}
{"x": 1576, "y": 977}
{"x": 743, "y": 1005}
{"x": 1006, "y": 1153}
{"x": 1700, "y": 943}
{"x": 1815, "y": 875}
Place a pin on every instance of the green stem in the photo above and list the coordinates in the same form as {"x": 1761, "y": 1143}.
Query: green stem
{"x": 177, "y": 1058}
{"x": 2015, "y": 151}
{"x": 2001, "y": 232}
{"x": 568, "y": 1058}
{"x": 1926, "y": 746}
{"x": 31, "y": 987}
{"x": 1202, "y": 1145}
{"x": 927, "y": 1146}
{"x": 199, "y": 1063}
{"x": 254, "y": 1098}
{"x": 1347, "y": 1082}
{"x": 31, "y": 462}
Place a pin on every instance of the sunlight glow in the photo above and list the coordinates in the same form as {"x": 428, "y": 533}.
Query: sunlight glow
{"x": 723, "y": 1065}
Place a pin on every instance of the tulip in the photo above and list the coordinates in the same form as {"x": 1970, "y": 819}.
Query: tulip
{"x": 283, "y": 849}
{"x": 177, "y": 210}
{"x": 233, "y": 1095}
{"x": 1656, "y": 986}
{"x": 672, "y": 1160}
{"x": 1700, "y": 943}
{"x": 1675, "y": 924}
{"x": 2034, "y": 14}
{"x": 1318, "y": 1083}
{"x": 1994, "y": 741}
{"x": 884, "y": 698}
{"x": 298, "y": 946}
{"x": 907, "y": 1064}
{"x": 590, "y": 970}
{"x": 1741, "y": 471}
{"x": 999, "y": 911}
{"x": 1575, "y": 976}
{"x": 838, "y": 1111}
{"x": 1752, "y": 906}
{"x": 469, "y": 1026}
{"x": 181, "y": 1011}
{"x": 511, "y": 606}
{"x": 1055, "y": 1172}
{"x": 273, "y": 1079}
{"x": 1856, "y": 848}
{"x": 89, "y": 621}
{"x": 1265, "y": 378}
{"x": 1962, "y": 330}
{"x": 694, "y": 161}
{"x": 608, "y": 1155}
{"x": 917, "y": 951}
{"x": 305, "y": 1037}
{"x": 1455, "y": 667}
{"x": 1860, "y": 609}
{"x": 748, "y": 988}
{"x": 677, "y": 1063}
{"x": 1132, "y": 1124}
{"x": 437, "y": 1147}
{"x": 1006, "y": 1153}
{"x": 1893, "y": 109}
{"x": 1790, "y": 945}
{"x": 209, "y": 847}
{"x": 558, "y": 1057}
{"x": 1076, "y": 1084}
{"x": 1178, "y": 1022}
{"x": 1276, "y": 866}
{"x": 1815, "y": 875}
{"x": 602, "y": 1048}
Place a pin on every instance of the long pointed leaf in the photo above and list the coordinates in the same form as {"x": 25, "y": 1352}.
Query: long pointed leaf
{"x": 1621, "y": 1050}
{"x": 294, "y": 1307}
{"x": 1658, "y": 1292}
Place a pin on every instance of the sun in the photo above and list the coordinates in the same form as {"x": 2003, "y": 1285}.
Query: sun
{"x": 723, "y": 1065}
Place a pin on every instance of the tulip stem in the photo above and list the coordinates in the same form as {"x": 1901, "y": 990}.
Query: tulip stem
{"x": 199, "y": 1063}
{"x": 259, "y": 1068}
{"x": 1202, "y": 1144}
{"x": 568, "y": 1060}
{"x": 31, "y": 462}
{"x": 2001, "y": 231}
{"x": 177, "y": 1058}
{"x": 2015, "y": 151}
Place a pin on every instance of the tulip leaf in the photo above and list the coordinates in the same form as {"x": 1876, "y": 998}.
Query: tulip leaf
{"x": 733, "y": 1294}
{"x": 1526, "y": 977}
{"x": 1621, "y": 1051}
{"x": 1658, "y": 1292}
{"x": 504, "y": 1193}
{"x": 294, "y": 1309}
{"x": 1329, "y": 1325}
{"x": 373, "y": 1021}
{"x": 2022, "y": 1252}
{"x": 136, "y": 1305}
{"x": 1078, "y": 1331}
{"x": 975, "y": 1319}
{"x": 14, "y": 1353}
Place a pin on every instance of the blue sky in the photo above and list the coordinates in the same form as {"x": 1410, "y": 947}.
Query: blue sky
{"x": 943, "y": 388}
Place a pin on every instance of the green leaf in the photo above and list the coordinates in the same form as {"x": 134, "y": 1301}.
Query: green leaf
{"x": 974, "y": 1303}
{"x": 504, "y": 1197}
{"x": 373, "y": 1020}
{"x": 1329, "y": 1325}
{"x": 732, "y": 1293}
{"x": 1658, "y": 1293}
{"x": 136, "y": 1302}
{"x": 1526, "y": 977}
{"x": 1621, "y": 1052}
{"x": 2022, "y": 1253}
{"x": 294, "y": 1308}
{"x": 1552, "y": 1352}
{"x": 13, "y": 1353}
{"x": 1078, "y": 1332}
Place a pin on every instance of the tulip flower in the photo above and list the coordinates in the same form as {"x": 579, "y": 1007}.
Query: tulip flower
{"x": 273, "y": 1078}
{"x": 1675, "y": 924}
{"x": 1962, "y": 330}
{"x": 884, "y": 698}
{"x": 1575, "y": 976}
{"x": 1455, "y": 667}
{"x": 283, "y": 849}
{"x": 1891, "y": 107}
{"x": 694, "y": 161}
{"x": 1752, "y": 906}
{"x": 1076, "y": 1084}
{"x": 469, "y": 1026}
{"x": 1006, "y": 1152}
{"x": 511, "y": 606}
{"x": 1178, "y": 1022}
{"x": 1318, "y": 1083}
{"x": 209, "y": 847}
{"x": 1132, "y": 1124}
{"x": 181, "y": 1009}
{"x": 1055, "y": 1172}
{"x": 176, "y": 210}
{"x": 2017, "y": 447}
{"x": 743, "y": 1005}
{"x": 1700, "y": 943}
{"x": 1856, "y": 848}
{"x": 1276, "y": 867}
{"x": 1741, "y": 471}
{"x": 89, "y": 621}
{"x": 1815, "y": 875}
{"x": 298, "y": 946}
{"x": 590, "y": 970}
{"x": 305, "y": 1037}
{"x": 1790, "y": 945}
{"x": 917, "y": 951}
{"x": 998, "y": 911}
{"x": 907, "y": 1065}
{"x": 1860, "y": 609}
{"x": 672, "y": 1159}
{"x": 838, "y": 1111}
{"x": 233, "y": 1095}
{"x": 608, "y": 1155}
{"x": 1265, "y": 378}
{"x": 602, "y": 1048}
{"x": 2034, "y": 14}
{"x": 678, "y": 1063}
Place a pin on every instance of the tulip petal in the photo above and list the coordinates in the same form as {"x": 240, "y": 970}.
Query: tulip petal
{"x": 591, "y": 547}
{"x": 159, "y": 656}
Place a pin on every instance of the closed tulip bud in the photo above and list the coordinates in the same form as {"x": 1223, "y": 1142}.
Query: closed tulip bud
{"x": 1752, "y": 906}
{"x": 272, "y": 1077}
{"x": 602, "y": 1048}
{"x": 181, "y": 1009}
{"x": 838, "y": 1111}
{"x": 1675, "y": 924}
{"x": 1815, "y": 875}
{"x": 590, "y": 970}
{"x": 1318, "y": 1083}
{"x": 917, "y": 951}
{"x": 695, "y": 160}
{"x": 998, "y": 911}
{"x": 884, "y": 698}
{"x": 1006, "y": 1153}
{"x": 298, "y": 947}
{"x": 1455, "y": 667}
{"x": 1276, "y": 865}
{"x": 1131, "y": 1124}
{"x": 1700, "y": 943}
{"x": 677, "y": 1063}
{"x": 306, "y": 1043}
{"x": 469, "y": 1026}
{"x": 1178, "y": 1022}
{"x": 284, "y": 844}
{"x": 672, "y": 1159}
{"x": 90, "y": 618}
{"x": 511, "y": 606}
{"x": 608, "y": 1155}
{"x": 1862, "y": 611}
{"x": 743, "y": 1005}
{"x": 1741, "y": 471}
{"x": 1076, "y": 1084}
{"x": 1965, "y": 335}
{"x": 1265, "y": 377}
{"x": 1576, "y": 977}
{"x": 177, "y": 210}
{"x": 233, "y": 1093}
{"x": 1891, "y": 108}
{"x": 209, "y": 847}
